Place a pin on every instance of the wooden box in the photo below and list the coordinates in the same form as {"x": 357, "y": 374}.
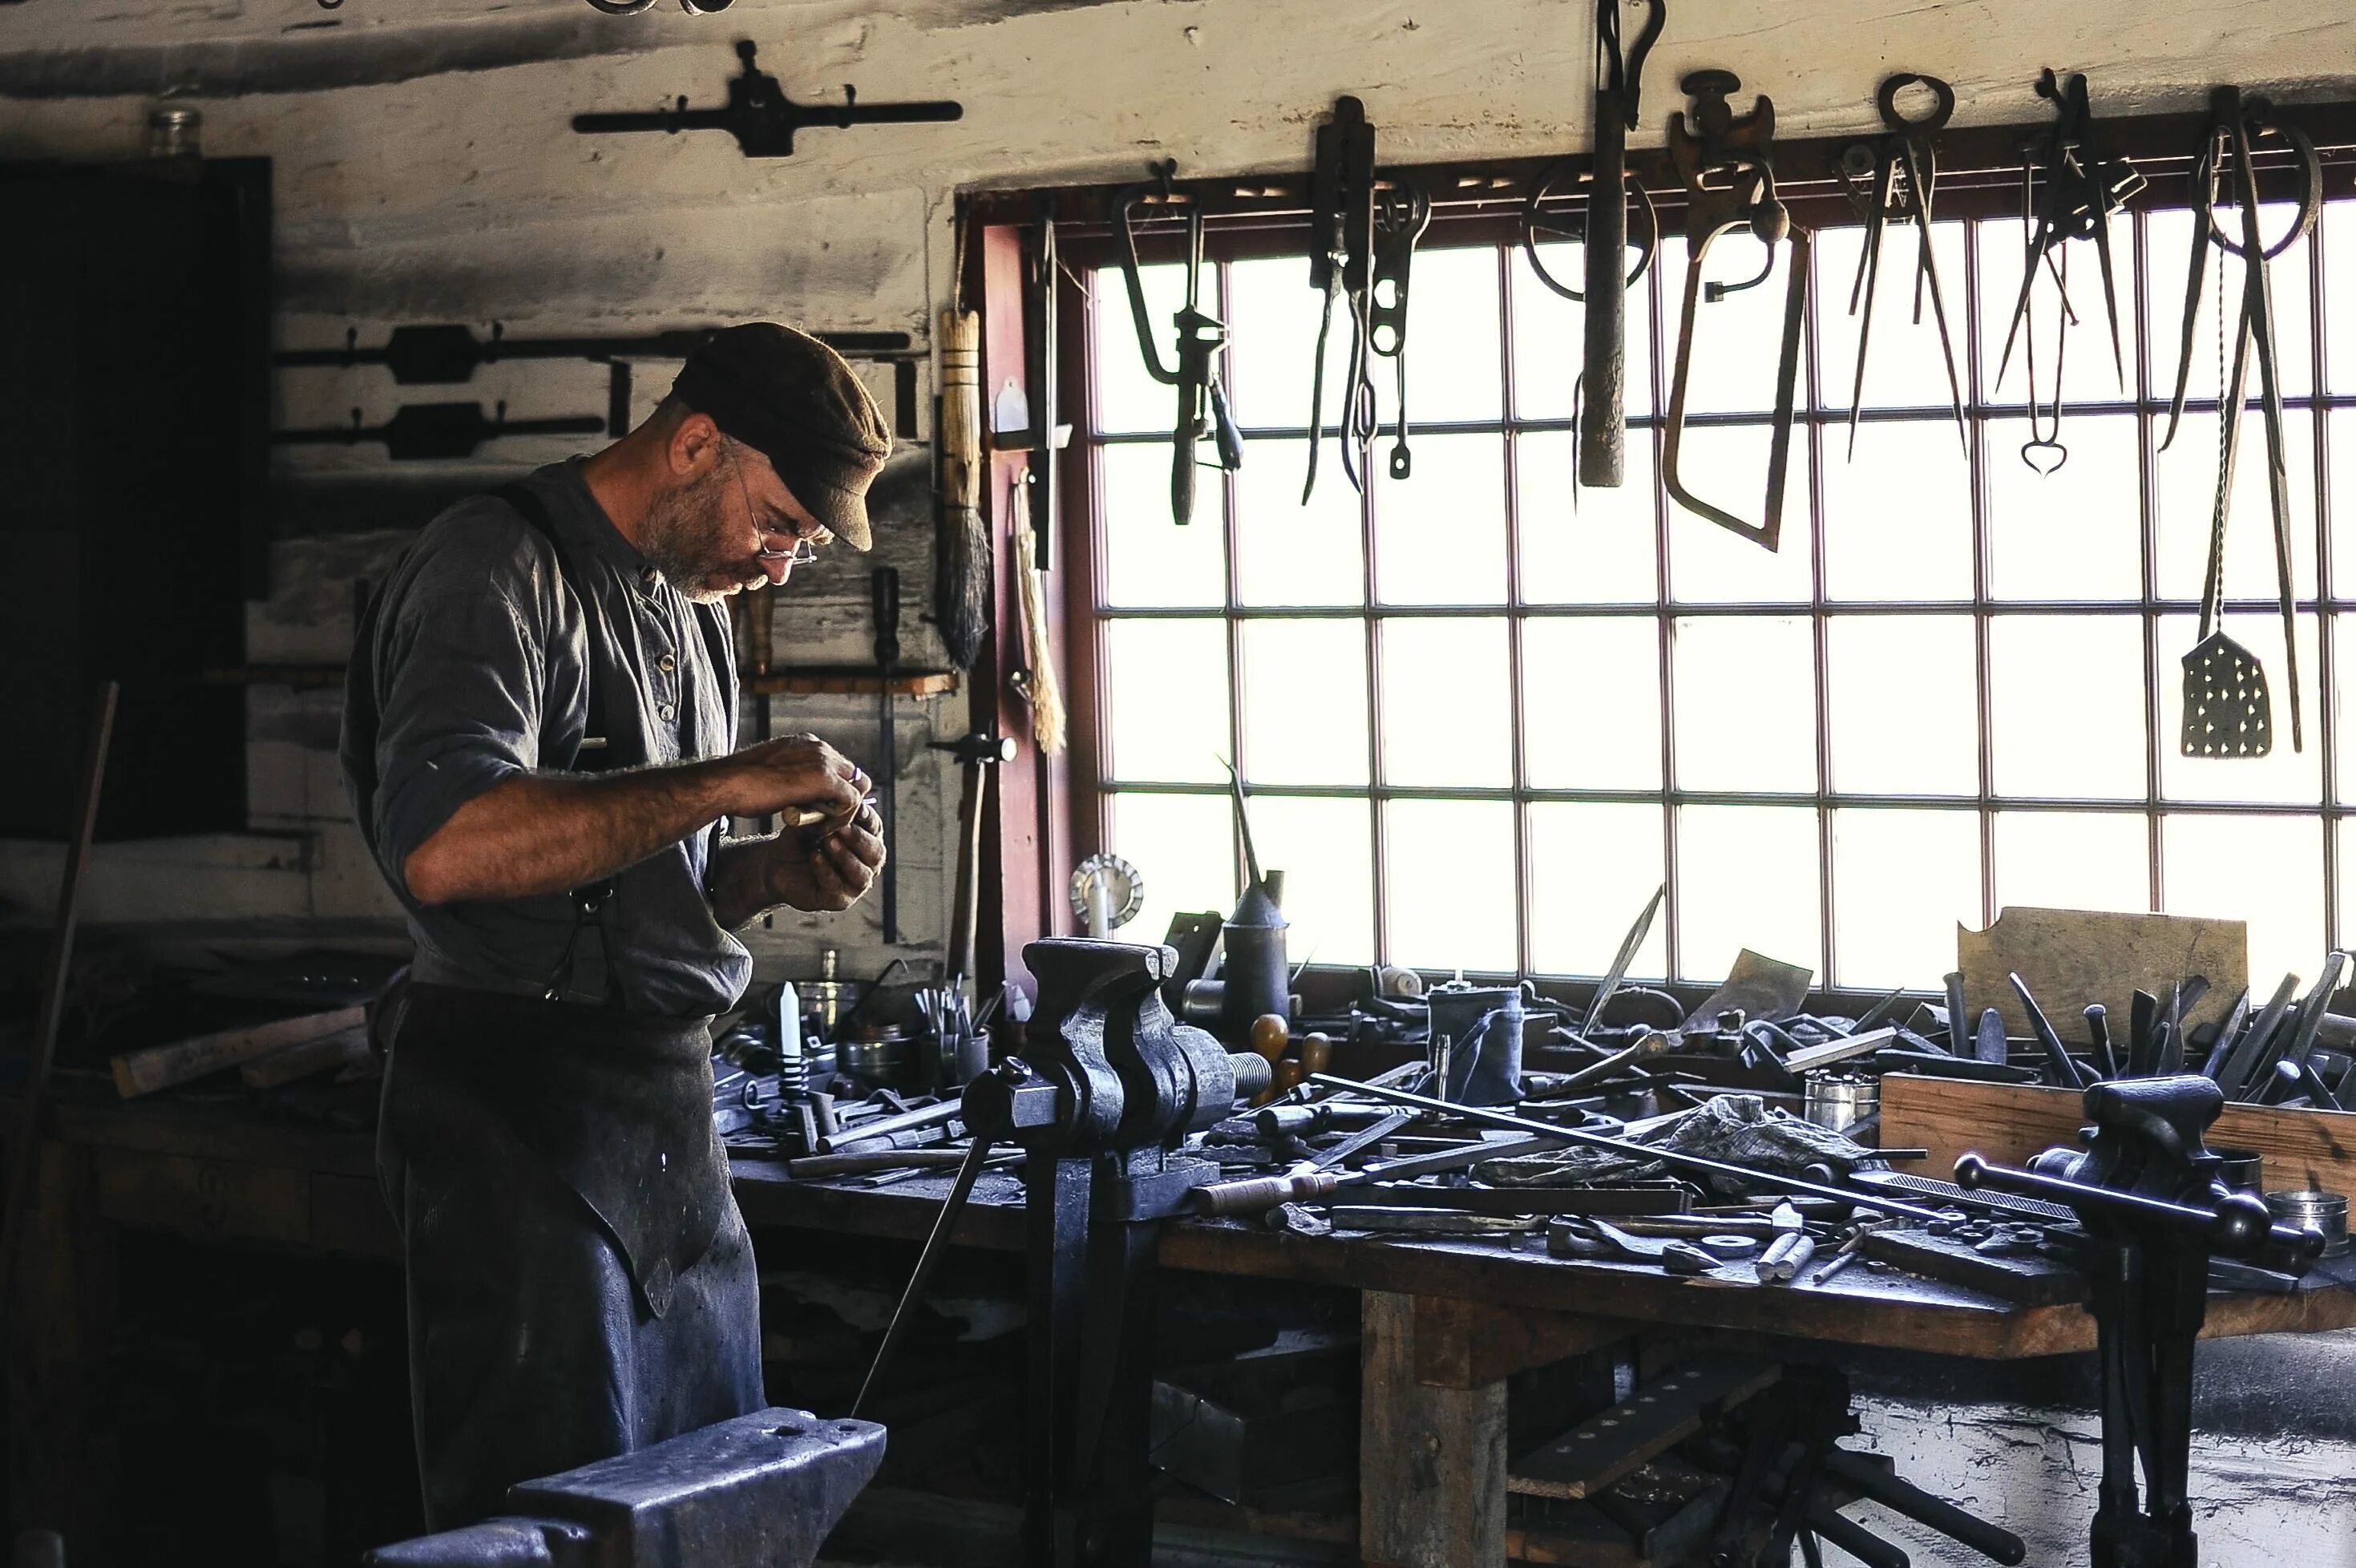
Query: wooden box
{"x": 2008, "y": 1123}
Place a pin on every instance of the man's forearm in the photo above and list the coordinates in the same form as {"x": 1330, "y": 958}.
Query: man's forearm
{"x": 742, "y": 883}
{"x": 539, "y": 834}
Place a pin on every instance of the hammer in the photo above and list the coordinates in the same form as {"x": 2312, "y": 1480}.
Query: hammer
{"x": 978, "y": 752}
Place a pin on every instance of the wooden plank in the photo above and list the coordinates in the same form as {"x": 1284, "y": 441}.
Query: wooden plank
{"x": 1602, "y": 1449}
{"x": 1468, "y": 1344}
{"x": 2072, "y": 957}
{"x": 345, "y": 1047}
{"x": 162, "y": 1067}
{"x": 2008, "y": 1123}
{"x": 205, "y": 1201}
{"x": 2031, "y": 1281}
{"x": 1431, "y": 1462}
{"x": 1809, "y": 1058}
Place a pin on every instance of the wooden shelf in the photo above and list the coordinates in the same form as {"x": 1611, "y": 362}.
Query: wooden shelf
{"x": 808, "y": 683}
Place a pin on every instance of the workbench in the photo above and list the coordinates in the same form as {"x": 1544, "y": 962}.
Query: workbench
{"x": 1445, "y": 1323}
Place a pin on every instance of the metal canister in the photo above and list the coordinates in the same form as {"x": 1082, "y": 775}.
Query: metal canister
{"x": 2323, "y": 1211}
{"x": 876, "y": 1056}
{"x": 1837, "y": 1102}
{"x": 2239, "y": 1169}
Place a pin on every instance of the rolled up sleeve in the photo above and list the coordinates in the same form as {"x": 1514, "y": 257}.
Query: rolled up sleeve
{"x": 462, "y": 681}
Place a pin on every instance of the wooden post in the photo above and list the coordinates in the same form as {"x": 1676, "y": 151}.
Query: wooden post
{"x": 63, "y": 1290}
{"x": 1431, "y": 1461}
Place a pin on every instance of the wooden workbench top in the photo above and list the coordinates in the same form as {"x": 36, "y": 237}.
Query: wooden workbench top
{"x": 221, "y": 1172}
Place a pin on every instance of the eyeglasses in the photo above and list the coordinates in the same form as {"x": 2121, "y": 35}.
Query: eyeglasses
{"x": 805, "y": 548}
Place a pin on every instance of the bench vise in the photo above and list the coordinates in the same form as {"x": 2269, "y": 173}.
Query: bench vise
{"x": 760, "y": 1492}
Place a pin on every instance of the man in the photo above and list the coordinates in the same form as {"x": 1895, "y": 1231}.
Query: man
{"x": 539, "y": 745}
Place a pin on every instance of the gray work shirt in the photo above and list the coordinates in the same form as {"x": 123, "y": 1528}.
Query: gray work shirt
{"x": 473, "y": 666}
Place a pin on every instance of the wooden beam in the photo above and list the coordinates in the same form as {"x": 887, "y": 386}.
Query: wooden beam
{"x": 162, "y": 1067}
{"x": 1462, "y": 1344}
{"x": 1431, "y": 1462}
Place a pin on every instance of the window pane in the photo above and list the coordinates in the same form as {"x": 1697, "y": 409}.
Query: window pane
{"x": 1449, "y": 904}
{"x": 1326, "y": 853}
{"x": 1592, "y": 692}
{"x": 2073, "y": 860}
{"x": 2340, "y": 451}
{"x": 2185, "y": 482}
{"x": 1906, "y": 705}
{"x": 1440, "y": 537}
{"x": 2074, "y": 533}
{"x": 2065, "y": 699}
{"x": 1447, "y": 703}
{"x": 1127, "y": 398}
{"x": 1737, "y": 340}
{"x": 1593, "y": 870}
{"x": 2267, "y": 871}
{"x": 1898, "y": 516}
{"x": 1456, "y": 365}
{"x": 1726, "y": 465}
{"x": 1184, "y": 845}
{"x": 1272, "y": 345}
{"x": 1746, "y": 878}
{"x": 1549, "y": 341}
{"x": 2343, "y": 705}
{"x": 2339, "y": 283}
{"x": 1904, "y": 367}
{"x": 1583, "y": 546}
{"x": 1746, "y": 703}
{"x": 1287, "y": 554}
{"x": 1149, "y": 561}
{"x": 1305, "y": 701}
{"x": 2283, "y": 776}
{"x": 1167, "y": 709}
{"x": 2169, "y": 234}
{"x": 1902, "y": 882}
{"x": 2088, "y": 373}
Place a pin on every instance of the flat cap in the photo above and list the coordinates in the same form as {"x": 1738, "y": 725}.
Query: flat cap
{"x": 795, "y": 401}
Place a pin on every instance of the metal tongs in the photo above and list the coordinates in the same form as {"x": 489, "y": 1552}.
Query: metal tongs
{"x": 1725, "y": 163}
{"x": 2227, "y": 708}
{"x": 1201, "y": 337}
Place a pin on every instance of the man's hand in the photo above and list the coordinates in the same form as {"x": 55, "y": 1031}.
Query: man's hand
{"x": 795, "y": 771}
{"x": 825, "y": 868}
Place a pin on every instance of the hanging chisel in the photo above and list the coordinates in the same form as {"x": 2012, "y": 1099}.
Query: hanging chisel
{"x": 886, "y": 593}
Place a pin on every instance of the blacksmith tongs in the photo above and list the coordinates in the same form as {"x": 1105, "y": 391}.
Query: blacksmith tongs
{"x": 1729, "y": 181}
{"x": 1904, "y": 174}
{"x": 1201, "y": 337}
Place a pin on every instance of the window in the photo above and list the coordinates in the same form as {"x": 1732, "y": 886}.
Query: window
{"x": 1481, "y": 716}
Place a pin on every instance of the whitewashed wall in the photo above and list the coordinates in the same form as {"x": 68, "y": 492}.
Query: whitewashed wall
{"x": 425, "y": 171}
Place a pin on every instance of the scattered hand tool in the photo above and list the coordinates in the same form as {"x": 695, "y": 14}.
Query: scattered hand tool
{"x": 2083, "y": 190}
{"x": 763, "y": 119}
{"x": 1602, "y": 430}
{"x": 1989, "y": 1043}
{"x": 1676, "y": 1159}
{"x": 1341, "y": 257}
{"x": 2098, "y": 1033}
{"x": 885, "y": 585}
{"x": 1957, "y": 1020}
{"x": 1789, "y": 1252}
{"x": 2224, "y": 1034}
{"x": 2064, "y": 1067}
{"x": 2243, "y": 1058}
{"x": 2142, "y": 1037}
{"x": 2300, "y": 1045}
{"x": 1653, "y": 1043}
{"x": 1201, "y": 337}
{"x": 2227, "y": 710}
{"x": 1904, "y": 174}
{"x": 1402, "y": 213}
{"x": 1727, "y": 165}
{"x": 1628, "y": 946}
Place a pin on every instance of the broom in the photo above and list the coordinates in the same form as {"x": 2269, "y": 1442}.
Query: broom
{"x": 961, "y": 579}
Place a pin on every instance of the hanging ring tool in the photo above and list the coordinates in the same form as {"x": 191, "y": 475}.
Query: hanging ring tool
{"x": 1402, "y": 213}
{"x": 2082, "y": 190}
{"x": 1341, "y": 258}
{"x": 1201, "y": 337}
{"x": 1602, "y": 434}
{"x": 2226, "y": 705}
{"x": 1727, "y": 165}
{"x": 1904, "y": 177}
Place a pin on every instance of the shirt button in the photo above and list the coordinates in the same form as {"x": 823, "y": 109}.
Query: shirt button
{"x": 670, "y": 712}
{"x": 666, "y": 664}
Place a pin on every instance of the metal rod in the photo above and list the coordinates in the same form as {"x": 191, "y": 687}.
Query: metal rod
{"x": 1675, "y": 1158}
{"x": 935, "y": 1245}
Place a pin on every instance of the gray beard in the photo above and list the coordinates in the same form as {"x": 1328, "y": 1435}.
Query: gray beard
{"x": 678, "y": 538}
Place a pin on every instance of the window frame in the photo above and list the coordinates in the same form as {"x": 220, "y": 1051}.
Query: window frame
{"x": 1255, "y": 217}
